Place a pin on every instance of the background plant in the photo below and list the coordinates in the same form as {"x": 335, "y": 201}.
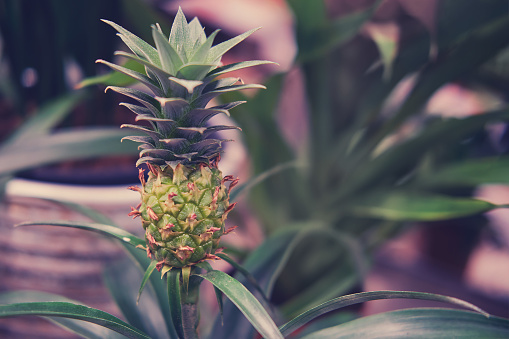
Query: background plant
{"x": 46, "y": 49}
{"x": 359, "y": 180}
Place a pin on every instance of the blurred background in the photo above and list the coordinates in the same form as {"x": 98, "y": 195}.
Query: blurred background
{"x": 382, "y": 134}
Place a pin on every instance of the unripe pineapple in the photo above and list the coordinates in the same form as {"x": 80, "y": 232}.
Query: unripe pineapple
{"x": 183, "y": 210}
{"x": 185, "y": 201}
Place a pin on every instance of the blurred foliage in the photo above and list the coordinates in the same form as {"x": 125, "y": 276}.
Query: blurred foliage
{"x": 46, "y": 48}
{"x": 361, "y": 175}
{"x": 48, "y": 44}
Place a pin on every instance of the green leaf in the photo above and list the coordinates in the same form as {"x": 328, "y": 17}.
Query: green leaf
{"x": 170, "y": 59}
{"x": 317, "y": 35}
{"x": 191, "y": 71}
{"x": 217, "y": 51}
{"x": 146, "y": 277}
{"x": 145, "y": 99}
{"x": 179, "y": 35}
{"x": 108, "y": 230}
{"x": 201, "y": 53}
{"x": 161, "y": 73}
{"x": 72, "y": 311}
{"x": 242, "y": 271}
{"x": 419, "y": 323}
{"x": 133, "y": 74}
{"x": 90, "y": 213}
{"x": 455, "y": 21}
{"x": 196, "y": 32}
{"x": 262, "y": 177}
{"x": 339, "y": 280}
{"x": 129, "y": 243}
{"x": 239, "y": 65}
{"x": 245, "y": 301}
{"x": 265, "y": 264}
{"x": 386, "y": 40}
{"x": 85, "y": 329}
{"x": 47, "y": 117}
{"x": 137, "y": 45}
{"x": 186, "y": 273}
{"x": 123, "y": 281}
{"x": 357, "y": 298}
{"x": 113, "y": 78}
{"x": 340, "y": 277}
{"x": 348, "y": 26}
{"x": 157, "y": 284}
{"x": 63, "y": 145}
{"x": 481, "y": 45}
{"x": 469, "y": 173}
{"x": 408, "y": 153}
{"x": 415, "y": 206}
{"x": 219, "y": 296}
{"x": 175, "y": 300}
{"x": 202, "y": 100}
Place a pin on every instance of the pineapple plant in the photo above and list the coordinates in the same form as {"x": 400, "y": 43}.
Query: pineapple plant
{"x": 185, "y": 200}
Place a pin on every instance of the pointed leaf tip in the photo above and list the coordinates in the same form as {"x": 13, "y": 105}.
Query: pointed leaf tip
{"x": 146, "y": 277}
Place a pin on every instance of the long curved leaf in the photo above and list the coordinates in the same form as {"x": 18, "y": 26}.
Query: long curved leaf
{"x": 86, "y": 211}
{"x": 108, "y": 230}
{"x": 263, "y": 176}
{"x": 175, "y": 300}
{"x": 146, "y": 277}
{"x": 63, "y": 145}
{"x": 72, "y": 311}
{"x": 410, "y": 206}
{"x": 156, "y": 283}
{"x": 113, "y": 78}
{"x": 49, "y": 115}
{"x": 408, "y": 153}
{"x": 481, "y": 45}
{"x": 82, "y": 328}
{"x": 245, "y": 301}
{"x": 419, "y": 323}
{"x": 470, "y": 173}
{"x": 123, "y": 281}
{"x": 357, "y": 298}
{"x": 242, "y": 271}
{"x": 317, "y": 35}
{"x": 338, "y": 280}
{"x": 265, "y": 264}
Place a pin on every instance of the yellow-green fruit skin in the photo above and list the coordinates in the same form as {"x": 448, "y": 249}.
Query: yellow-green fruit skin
{"x": 183, "y": 212}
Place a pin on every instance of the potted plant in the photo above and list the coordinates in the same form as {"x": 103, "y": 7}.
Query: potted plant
{"x": 184, "y": 204}
{"x": 58, "y": 144}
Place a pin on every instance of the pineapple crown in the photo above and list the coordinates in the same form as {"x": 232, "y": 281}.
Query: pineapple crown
{"x": 182, "y": 72}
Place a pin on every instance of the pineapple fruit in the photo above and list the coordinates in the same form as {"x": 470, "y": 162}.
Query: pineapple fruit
{"x": 185, "y": 200}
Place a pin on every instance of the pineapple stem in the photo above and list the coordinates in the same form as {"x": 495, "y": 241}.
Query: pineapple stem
{"x": 190, "y": 312}
{"x": 190, "y": 320}
{"x": 183, "y": 303}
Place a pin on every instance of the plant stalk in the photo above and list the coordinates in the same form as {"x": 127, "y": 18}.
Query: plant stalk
{"x": 190, "y": 311}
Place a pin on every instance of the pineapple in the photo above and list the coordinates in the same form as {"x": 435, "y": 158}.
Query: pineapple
{"x": 185, "y": 200}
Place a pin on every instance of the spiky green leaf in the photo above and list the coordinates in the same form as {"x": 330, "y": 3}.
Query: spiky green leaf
{"x": 108, "y": 230}
{"x": 246, "y": 303}
{"x": 419, "y": 323}
{"x": 413, "y": 206}
{"x": 72, "y": 311}
{"x": 356, "y": 298}
{"x": 217, "y": 51}
{"x": 170, "y": 59}
{"x": 137, "y": 45}
{"x": 175, "y": 301}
